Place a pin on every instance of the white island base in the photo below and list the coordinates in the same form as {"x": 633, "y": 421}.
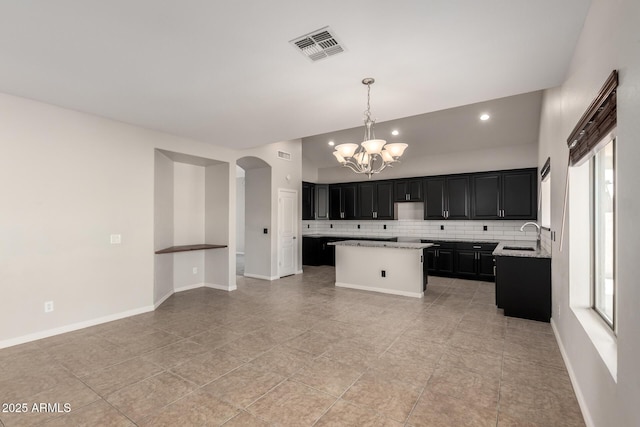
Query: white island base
{"x": 387, "y": 267}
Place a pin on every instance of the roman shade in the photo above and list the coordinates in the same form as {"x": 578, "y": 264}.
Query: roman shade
{"x": 599, "y": 119}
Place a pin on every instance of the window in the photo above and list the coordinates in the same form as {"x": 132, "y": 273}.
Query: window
{"x": 603, "y": 235}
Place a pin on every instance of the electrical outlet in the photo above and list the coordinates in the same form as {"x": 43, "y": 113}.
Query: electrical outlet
{"x": 116, "y": 239}
{"x": 195, "y": 270}
{"x": 384, "y": 226}
{"x": 484, "y": 228}
{"x": 358, "y": 226}
{"x": 48, "y": 306}
{"x": 442, "y": 227}
{"x": 383, "y": 273}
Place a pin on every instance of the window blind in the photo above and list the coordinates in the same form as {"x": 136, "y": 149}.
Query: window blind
{"x": 599, "y": 119}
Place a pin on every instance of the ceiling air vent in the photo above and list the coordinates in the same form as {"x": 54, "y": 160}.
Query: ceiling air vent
{"x": 318, "y": 44}
{"x": 284, "y": 155}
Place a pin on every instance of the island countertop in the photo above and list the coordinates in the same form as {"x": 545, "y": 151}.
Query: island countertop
{"x": 375, "y": 244}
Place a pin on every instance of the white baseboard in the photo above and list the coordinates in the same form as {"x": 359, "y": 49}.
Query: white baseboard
{"x": 189, "y": 287}
{"x": 163, "y": 299}
{"x": 220, "y": 287}
{"x": 73, "y": 327}
{"x": 383, "y": 291}
{"x": 299, "y": 271}
{"x": 581, "y": 400}
{"x": 259, "y": 276}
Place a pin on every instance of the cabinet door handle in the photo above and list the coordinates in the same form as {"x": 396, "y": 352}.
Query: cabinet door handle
{"x": 494, "y": 270}
{"x": 477, "y": 247}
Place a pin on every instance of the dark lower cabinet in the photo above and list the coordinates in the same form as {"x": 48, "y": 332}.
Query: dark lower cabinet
{"x": 523, "y": 287}
{"x": 439, "y": 258}
{"x": 316, "y": 250}
{"x": 475, "y": 260}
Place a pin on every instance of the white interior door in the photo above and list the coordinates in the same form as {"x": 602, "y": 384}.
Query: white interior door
{"x": 287, "y": 232}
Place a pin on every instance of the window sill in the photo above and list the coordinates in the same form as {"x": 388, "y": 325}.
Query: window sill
{"x": 601, "y": 336}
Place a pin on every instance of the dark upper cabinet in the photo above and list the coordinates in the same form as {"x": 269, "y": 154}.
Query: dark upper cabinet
{"x": 408, "y": 190}
{"x": 505, "y": 195}
{"x": 447, "y": 197}
{"x": 308, "y": 201}
{"x": 384, "y": 208}
{"x": 434, "y": 207}
{"x": 342, "y": 201}
{"x": 375, "y": 200}
{"x": 321, "y": 201}
{"x": 519, "y": 195}
{"x": 485, "y": 201}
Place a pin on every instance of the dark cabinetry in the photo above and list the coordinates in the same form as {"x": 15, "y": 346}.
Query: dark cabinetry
{"x": 316, "y": 250}
{"x": 342, "y": 201}
{"x": 308, "y": 201}
{"x": 523, "y": 287}
{"x": 505, "y": 195}
{"x": 467, "y": 260}
{"x": 375, "y": 200}
{"x": 475, "y": 260}
{"x": 322, "y": 201}
{"x": 408, "y": 190}
{"x": 447, "y": 197}
{"x": 439, "y": 258}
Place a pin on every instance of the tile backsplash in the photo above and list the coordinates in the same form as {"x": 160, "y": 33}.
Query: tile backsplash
{"x": 457, "y": 230}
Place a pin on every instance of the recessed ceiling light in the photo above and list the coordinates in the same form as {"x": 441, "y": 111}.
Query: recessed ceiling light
{"x": 484, "y": 117}
{"x": 395, "y": 132}
{"x": 331, "y": 143}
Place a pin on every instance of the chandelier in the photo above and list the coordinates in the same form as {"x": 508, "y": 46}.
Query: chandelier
{"x": 372, "y": 155}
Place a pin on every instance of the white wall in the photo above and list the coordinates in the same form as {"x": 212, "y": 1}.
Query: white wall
{"x": 69, "y": 181}
{"x": 163, "y": 226}
{"x": 513, "y": 157}
{"x": 609, "y": 41}
{"x": 285, "y": 174}
{"x": 240, "y": 213}
{"x": 257, "y": 255}
{"x": 188, "y": 223}
{"x": 309, "y": 171}
{"x": 220, "y": 264}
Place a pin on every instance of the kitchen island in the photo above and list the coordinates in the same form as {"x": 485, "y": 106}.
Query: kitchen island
{"x": 387, "y": 267}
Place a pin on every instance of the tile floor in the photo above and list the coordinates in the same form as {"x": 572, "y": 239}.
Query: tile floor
{"x": 299, "y": 352}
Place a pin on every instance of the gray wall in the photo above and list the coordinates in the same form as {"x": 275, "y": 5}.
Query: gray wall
{"x": 608, "y": 41}
{"x": 257, "y": 254}
{"x": 163, "y": 226}
{"x": 512, "y": 157}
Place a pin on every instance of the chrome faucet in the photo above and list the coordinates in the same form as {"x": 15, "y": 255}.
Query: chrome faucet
{"x": 538, "y": 229}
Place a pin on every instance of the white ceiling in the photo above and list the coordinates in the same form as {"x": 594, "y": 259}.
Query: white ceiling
{"x": 224, "y": 72}
{"x": 514, "y": 120}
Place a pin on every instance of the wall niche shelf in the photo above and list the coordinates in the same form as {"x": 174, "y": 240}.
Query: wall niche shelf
{"x": 185, "y": 248}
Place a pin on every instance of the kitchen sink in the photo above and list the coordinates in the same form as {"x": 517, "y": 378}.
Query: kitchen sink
{"x": 518, "y": 248}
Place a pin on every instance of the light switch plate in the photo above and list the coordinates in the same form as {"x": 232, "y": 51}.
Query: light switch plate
{"x": 116, "y": 239}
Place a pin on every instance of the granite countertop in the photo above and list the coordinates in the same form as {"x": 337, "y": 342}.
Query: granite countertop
{"x": 374, "y": 244}
{"x": 535, "y": 253}
{"x": 352, "y": 237}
